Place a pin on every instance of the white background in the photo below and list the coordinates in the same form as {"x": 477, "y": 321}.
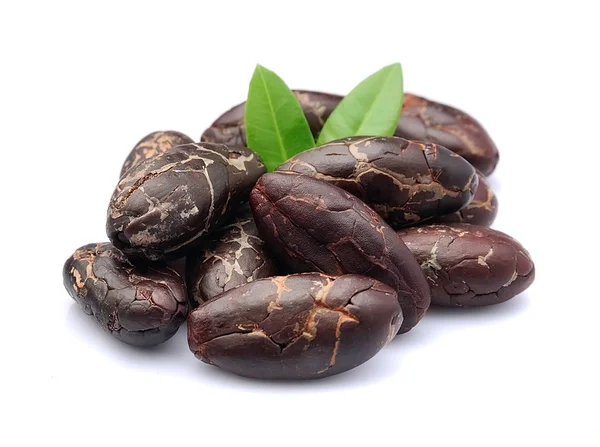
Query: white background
{"x": 82, "y": 82}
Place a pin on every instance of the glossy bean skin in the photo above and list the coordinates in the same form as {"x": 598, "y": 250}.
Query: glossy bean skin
{"x": 421, "y": 119}
{"x": 406, "y": 182}
{"x": 141, "y": 305}
{"x": 235, "y": 256}
{"x": 311, "y": 225}
{"x": 469, "y": 265}
{"x": 229, "y": 128}
{"x": 303, "y": 326}
{"x": 482, "y": 210}
{"x": 154, "y": 144}
{"x": 438, "y": 123}
{"x": 163, "y": 206}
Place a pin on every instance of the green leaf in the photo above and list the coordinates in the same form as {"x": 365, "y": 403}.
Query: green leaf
{"x": 276, "y": 127}
{"x": 372, "y": 108}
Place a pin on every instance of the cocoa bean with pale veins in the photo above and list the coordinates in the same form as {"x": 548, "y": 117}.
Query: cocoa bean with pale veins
{"x": 235, "y": 256}
{"x": 426, "y": 120}
{"x": 154, "y": 144}
{"x": 311, "y": 225}
{"x": 142, "y": 304}
{"x": 164, "y": 206}
{"x": 230, "y": 128}
{"x": 481, "y": 211}
{"x": 406, "y": 182}
{"x": 469, "y": 265}
{"x": 421, "y": 119}
{"x": 304, "y": 326}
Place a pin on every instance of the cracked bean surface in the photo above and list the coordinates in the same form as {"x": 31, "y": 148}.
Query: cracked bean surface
{"x": 154, "y": 144}
{"x": 406, "y": 182}
{"x": 469, "y": 265}
{"x": 303, "y": 326}
{"x": 162, "y": 207}
{"x": 312, "y": 225}
{"x": 426, "y": 120}
{"x": 141, "y": 305}
{"x": 481, "y": 211}
{"x": 235, "y": 256}
{"x": 421, "y": 119}
{"x": 230, "y": 128}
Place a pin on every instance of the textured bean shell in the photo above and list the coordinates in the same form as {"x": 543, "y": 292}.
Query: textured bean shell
{"x": 469, "y": 265}
{"x": 229, "y": 128}
{"x": 235, "y": 256}
{"x": 154, "y": 144}
{"x": 421, "y": 119}
{"x": 311, "y": 225}
{"x": 427, "y": 120}
{"x": 303, "y": 326}
{"x": 405, "y": 181}
{"x": 141, "y": 305}
{"x": 164, "y": 205}
{"x": 481, "y": 211}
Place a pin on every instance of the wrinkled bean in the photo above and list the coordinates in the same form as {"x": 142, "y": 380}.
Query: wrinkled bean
{"x": 229, "y": 128}
{"x": 235, "y": 256}
{"x": 154, "y": 144}
{"x": 481, "y": 211}
{"x": 427, "y": 120}
{"x": 469, "y": 265}
{"x": 406, "y": 182}
{"x": 141, "y": 305}
{"x": 303, "y": 326}
{"x": 311, "y": 225}
{"x": 164, "y": 205}
{"x": 421, "y": 119}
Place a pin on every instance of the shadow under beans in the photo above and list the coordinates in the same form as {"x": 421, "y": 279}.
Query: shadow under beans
{"x": 85, "y": 327}
{"x": 174, "y": 357}
{"x": 494, "y": 182}
{"x": 374, "y": 370}
{"x": 495, "y": 312}
{"x": 441, "y": 320}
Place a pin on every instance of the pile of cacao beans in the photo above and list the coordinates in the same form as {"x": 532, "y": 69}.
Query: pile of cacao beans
{"x": 310, "y": 270}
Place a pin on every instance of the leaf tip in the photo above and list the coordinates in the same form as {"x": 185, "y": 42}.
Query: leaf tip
{"x": 395, "y": 65}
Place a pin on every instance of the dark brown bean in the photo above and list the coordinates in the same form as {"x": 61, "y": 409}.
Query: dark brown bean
{"x": 141, "y": 305}
{"x": 154, "y": 144}
{"x": 303, "y": 326}
{"x": 235, "y": 256}
{"x": 229, "y": 128}
{"x": 317, "y": 107}
{"x": 421, "y": 119}
{"x": 164, "y": 205}
{"x": 427, "y": 120}
{"x": 405, "y": 181}
{"x": 481, "y": 211}
{"x": 311, "y": 225}
{"x": 469, "y": 265}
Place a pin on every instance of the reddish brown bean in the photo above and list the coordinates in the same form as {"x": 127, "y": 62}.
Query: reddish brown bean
{"x": 481, "y": 211}
{"x": 469, "y": 265}
{"x": 229, "y": 128}
{"x": 303, "y": 326}
{"x": 421, "y": 119}
{"x": 406, "y": 182}
{"x": 140, "y": 304}
{"x": 162, "y": 207}
{"x": 236, "y": 255}
{"x": 438, "y": 123}
{"x": 154, "y": 144}
{"x": 311, "y": 225}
